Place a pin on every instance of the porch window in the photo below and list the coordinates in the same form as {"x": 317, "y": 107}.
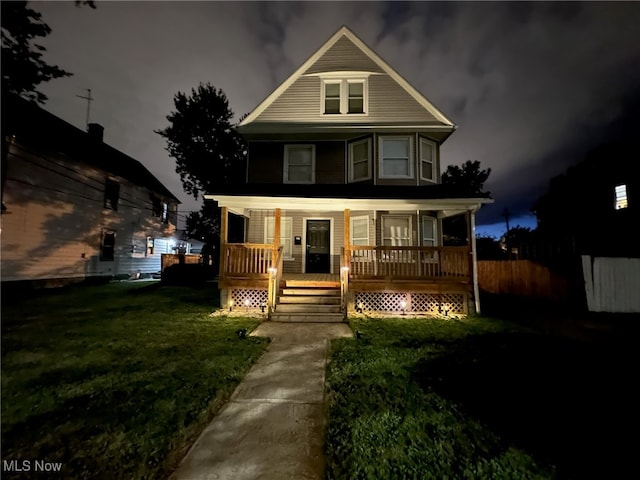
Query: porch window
{"x": 396, "y": 230}
{"x": 427, "y": 157}
{"x": 429, "y": 231}
{"x": 299, "y": 164}
{"x": 360, "y": 160}
{"x": 111, "y": 194}
{"x": 359, "y": 230}
{"x": 107, "y": 245}
{"x": 621, "y": 197}
{"x": 395, "y": 158}
{"x": 286, "y": 237}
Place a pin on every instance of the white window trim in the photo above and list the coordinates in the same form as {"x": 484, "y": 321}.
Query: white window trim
{"x": 384, "y": 217}
{"x": 282, "y": 237}
{"x": 351, "y": 222}
{"x": 285, "y": 173}
{"x": 435, "y": 230}
{"x": 381, "y": 140}
{"x": 425, "y": 143}
{"x": 352, "y": 164}
{"x": 344, "y": 95}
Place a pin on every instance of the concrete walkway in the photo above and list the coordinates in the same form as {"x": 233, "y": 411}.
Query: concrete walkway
{"x": 273, "y": 425}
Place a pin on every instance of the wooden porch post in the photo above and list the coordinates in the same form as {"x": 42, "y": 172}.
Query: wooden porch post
{"x": 347, "y": 238}
{"x": 224, "y": 222}
{"x": 276, "y": 238}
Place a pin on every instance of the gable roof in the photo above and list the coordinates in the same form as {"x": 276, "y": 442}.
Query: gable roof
{"x": 344, "y": 40}
{"x": 34, "y": 126}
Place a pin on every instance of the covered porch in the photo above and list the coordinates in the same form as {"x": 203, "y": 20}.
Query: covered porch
{"x": 373, "y": 277}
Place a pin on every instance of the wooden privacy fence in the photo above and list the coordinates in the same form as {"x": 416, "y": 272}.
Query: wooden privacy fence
{"x": 170, "y": 259}
{"x": 522, "y": 278}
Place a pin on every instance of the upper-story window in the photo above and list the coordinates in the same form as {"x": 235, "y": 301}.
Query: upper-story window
{"x": 299, "y": 164}
{"x": 427, "y": 160}
{"x": 111, "y": 194}
{"x": 621, "y": 197}
{"x": 344, "y": 96}
{"x": 395, "y": 157}
{"x": 360, "y": 160}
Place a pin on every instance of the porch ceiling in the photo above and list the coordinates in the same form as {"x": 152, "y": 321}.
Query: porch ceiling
{"x": 241, "y": 204}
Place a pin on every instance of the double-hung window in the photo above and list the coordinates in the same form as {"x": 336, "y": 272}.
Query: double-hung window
{"x": 359, "y": 229}
{"x": 108, "y": 245}
{"x": 360, "y": 160}
{"x": 396, "y": 230}
{"x": 342, "y": 96}
{"x": 427, "y": 160}
{"x": 396, "y": 157}
{"x": 299, "y": 164}
{"x": 111, "y": 194}
{"x": 621, "y": 197}
{"x": 285, "y": 234}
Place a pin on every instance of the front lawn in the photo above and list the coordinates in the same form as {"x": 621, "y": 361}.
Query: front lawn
{"x": 475, "y": 398}
{"x": 116, "y": 380}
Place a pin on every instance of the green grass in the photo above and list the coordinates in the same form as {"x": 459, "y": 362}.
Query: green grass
{"x": 117, "y": 380}
{"x": 478, "y": 398}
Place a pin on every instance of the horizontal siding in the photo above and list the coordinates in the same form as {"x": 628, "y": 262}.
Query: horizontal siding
{"x": 344, "y": 55}
{"x": 388, "y": 102}
{"x": 267, "y": 162}
{"x": 55, "y": 218}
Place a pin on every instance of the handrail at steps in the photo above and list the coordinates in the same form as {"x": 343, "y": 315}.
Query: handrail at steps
{"x": 275, "y": 275}
{"x": 344, "y": 283}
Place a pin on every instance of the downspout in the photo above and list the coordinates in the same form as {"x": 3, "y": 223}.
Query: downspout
{"x": 474, "y": 259}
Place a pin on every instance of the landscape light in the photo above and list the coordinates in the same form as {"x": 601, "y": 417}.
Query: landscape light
{"x": 230, "y": 305}
{"x": 403, "y": 306}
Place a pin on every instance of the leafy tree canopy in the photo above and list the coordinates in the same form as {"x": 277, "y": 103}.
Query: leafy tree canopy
{"x": 201, "y": 138}
{"x": 23, "y": 68}
{"x": 469, "y": 176}
{"x": 205, "y": 224}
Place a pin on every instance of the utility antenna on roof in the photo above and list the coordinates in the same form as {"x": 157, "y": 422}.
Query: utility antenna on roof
{"x": 88, "y": 98}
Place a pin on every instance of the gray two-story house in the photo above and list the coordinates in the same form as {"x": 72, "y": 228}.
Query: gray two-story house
{"x": 343, "y": 192}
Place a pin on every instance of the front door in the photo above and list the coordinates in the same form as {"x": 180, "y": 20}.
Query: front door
{"x": 318, "y": 256}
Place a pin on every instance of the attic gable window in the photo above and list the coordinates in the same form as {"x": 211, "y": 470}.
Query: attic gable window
{"x": 621, "y": 197}
{"x": 344, "y": 96}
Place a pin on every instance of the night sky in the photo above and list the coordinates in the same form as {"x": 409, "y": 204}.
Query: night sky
{"x": 531, "y": 86}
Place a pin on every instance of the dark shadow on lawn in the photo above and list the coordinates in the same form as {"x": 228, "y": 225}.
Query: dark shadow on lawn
{"x": 566, "y": 403}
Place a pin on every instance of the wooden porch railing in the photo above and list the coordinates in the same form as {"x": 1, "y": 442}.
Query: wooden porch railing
{"x": 368, "y": 262}
{"x": 246, "y": 260}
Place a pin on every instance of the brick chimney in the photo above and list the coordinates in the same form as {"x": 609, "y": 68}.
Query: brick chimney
{"x": 96, "y": 132}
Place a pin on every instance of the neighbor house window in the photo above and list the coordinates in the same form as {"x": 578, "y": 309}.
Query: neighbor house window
{"x": 621, "y": 197}
{"x": 286, "y": 236}
{"x": 344, "y": 96}
{"x": 165, "y": 213}
{"x": 427, "y": 160}
{"x": 107, "y": 245}
{"x": 299, "y": 164}
{"x": 359, "y": 230}
{"x": 396, "y": 230}
{"x": 395, "y": 157}
{"x": 150, "y": 245}
{"x": 111, "y": 194}
{"x": 360, "y": 160}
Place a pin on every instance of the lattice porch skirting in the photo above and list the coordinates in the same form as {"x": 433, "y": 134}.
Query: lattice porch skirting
{"x": 256, "y": 297}
{"x": 416, "y": 302}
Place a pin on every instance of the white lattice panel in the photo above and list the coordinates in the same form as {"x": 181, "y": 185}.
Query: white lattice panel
{"x": 241, "y": 295}
{"x": 416, "y": 302}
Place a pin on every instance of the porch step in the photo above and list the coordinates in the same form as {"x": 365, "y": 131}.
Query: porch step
{"x": 306, "y": 308}
{"x": 312, "y": 283}
{"x": 307, "y": 317}
{"x": 310, "y": 299}
{"x": 311, "y": 291}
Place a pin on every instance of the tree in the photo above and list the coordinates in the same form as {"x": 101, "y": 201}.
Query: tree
{"x": 469, "y": 179}
{"x": 205, "y": 224}
{"x": 23, "y": 68}
{"x": 208, "y": 151}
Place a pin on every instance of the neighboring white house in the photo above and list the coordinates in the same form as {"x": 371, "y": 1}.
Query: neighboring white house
{"x": 74, "y": 207}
